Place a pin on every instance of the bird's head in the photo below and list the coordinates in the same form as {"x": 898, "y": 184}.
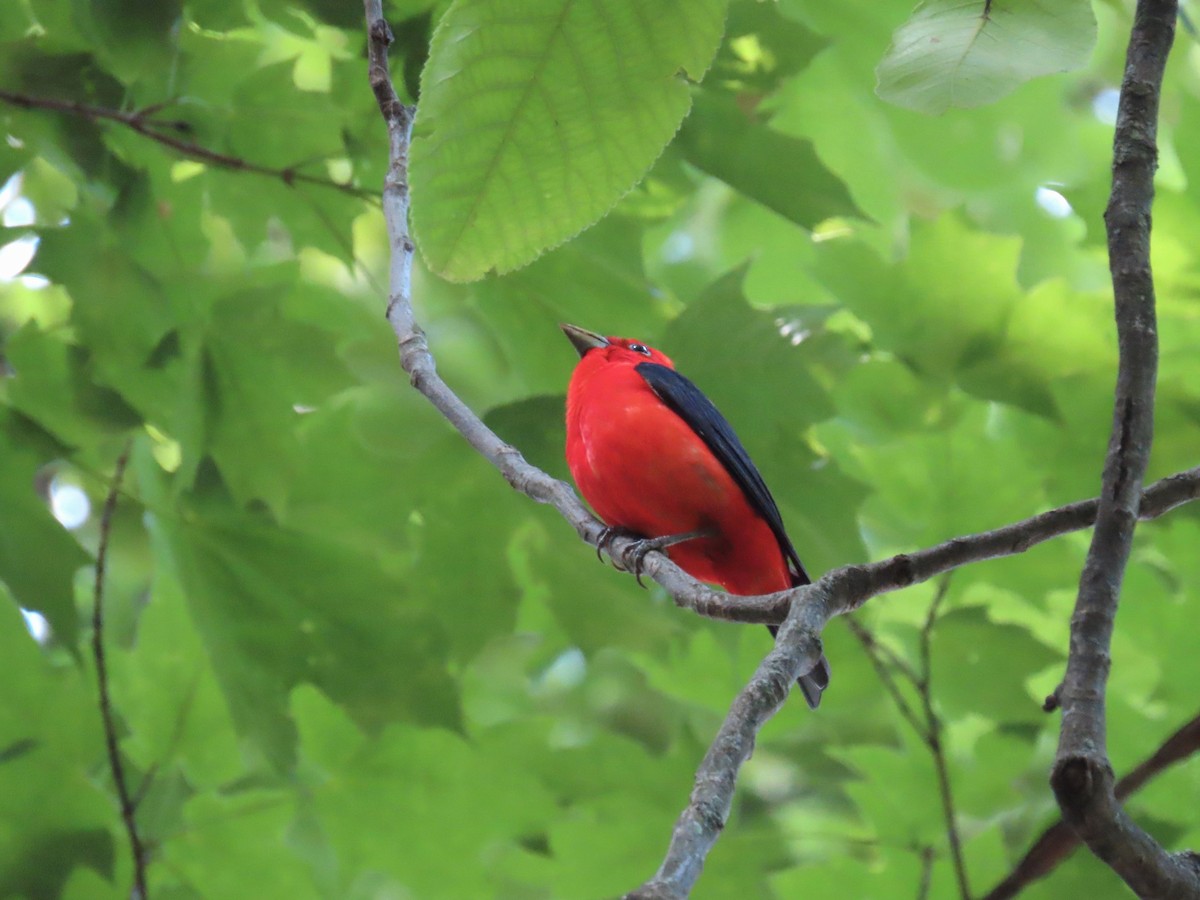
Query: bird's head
{"x": 596, "y": 347}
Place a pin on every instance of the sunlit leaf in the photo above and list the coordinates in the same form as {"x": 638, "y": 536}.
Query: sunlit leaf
{"x": 965, "y": 54}
{"x": 536, "y": 117}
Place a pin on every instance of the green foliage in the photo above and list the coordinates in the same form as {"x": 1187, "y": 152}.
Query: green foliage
{"x": 56, "y": 816}
{"x": 346, "y": 660}
{"x": 518, "y": 99}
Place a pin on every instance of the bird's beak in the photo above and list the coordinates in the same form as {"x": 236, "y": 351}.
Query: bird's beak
{"x": 582, "y": 339}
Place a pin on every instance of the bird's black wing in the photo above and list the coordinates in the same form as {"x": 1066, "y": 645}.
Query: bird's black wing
{"x": 689, "y": 403}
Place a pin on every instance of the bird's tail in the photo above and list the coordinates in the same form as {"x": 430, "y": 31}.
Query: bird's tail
{"x": 814, "y": 681}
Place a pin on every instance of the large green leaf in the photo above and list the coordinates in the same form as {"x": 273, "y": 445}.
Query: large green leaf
{"x": 967, "y": 54}
{"x": 536, "y": 116}
{"x": 260, "y": 367}
{"x": 277, "y": 608}
{"x": 55, "y": 385}
{"x": 431, "y": 775}
{"x": 981, "y": 667}
{"x": 229, "y": 839}
{"x": 885, "y": 871}
{"x": 128, "y": 35}
{"x": 168, "y": 694}
{"x": 593, "y": 607}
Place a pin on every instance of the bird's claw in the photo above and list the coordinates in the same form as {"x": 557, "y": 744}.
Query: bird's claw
{"x": 633, "y": 558}
{"x": 607, "y": 535}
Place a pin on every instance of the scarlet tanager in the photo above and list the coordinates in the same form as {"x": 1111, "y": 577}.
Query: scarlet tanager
{"x": 654, "y": 457}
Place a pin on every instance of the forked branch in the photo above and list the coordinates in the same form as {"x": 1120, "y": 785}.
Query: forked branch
{"x": 1082, "y": 777}
{"x": 1059, "y": 841}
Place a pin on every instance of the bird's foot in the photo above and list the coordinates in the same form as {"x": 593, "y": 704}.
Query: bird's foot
{"x": 608, "y": 535}
{"x": 634, "y": 558}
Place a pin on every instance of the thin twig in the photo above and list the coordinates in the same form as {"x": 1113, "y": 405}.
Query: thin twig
{"x": 928, "y": 726}
{"x": 875, "y": 652}
{"x": 926, "y": 873}
{"x": 141, "y": 122}
{"x": 885, "y": 653}
{"x": 128, "y": 804}
{"x": 933, "y": 737}
{"x": 1059, "y": 841}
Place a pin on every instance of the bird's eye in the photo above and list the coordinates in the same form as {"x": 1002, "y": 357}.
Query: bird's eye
{"x": 640, "y": 348}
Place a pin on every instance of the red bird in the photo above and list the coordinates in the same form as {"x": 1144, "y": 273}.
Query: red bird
{"x": 653, "y": 456}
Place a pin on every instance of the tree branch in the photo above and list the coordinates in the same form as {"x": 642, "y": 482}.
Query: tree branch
{"x": 851, "y": 586}
{"x": 802, "y": 612}
{"x": 157, "y": 130}
{"x": 933, "y": 738}
{"x": 1059, "y": 841}
{"x": 1082, "y": 777}
{"x": 128, "y": 804}
{"x": 797, "y": 649}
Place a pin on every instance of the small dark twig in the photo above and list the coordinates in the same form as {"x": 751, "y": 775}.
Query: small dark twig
{"x": 885, "y": 653}
{"x": 881, "y": 657}
{"x": 1053, "y": 700}
{"x": 875, "y": 653}
{"x": 925, "y": 638}
{"x": 145, "y": 786}
{"x": 128, "y": 804}
{"x": 933, "y": 737}
{"x": 926, "y": 725}
{"x": 141, "y": 122}
{"x": 926, "y": 873}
